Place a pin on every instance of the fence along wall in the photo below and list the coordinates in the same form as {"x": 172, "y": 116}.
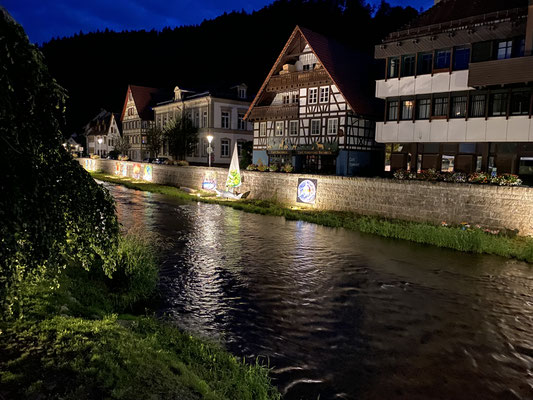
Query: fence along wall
{"x": 494, "y": 207}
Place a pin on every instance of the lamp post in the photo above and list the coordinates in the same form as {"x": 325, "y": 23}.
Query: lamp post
{"x": 209, "y": 148}
{"x": 100, "y": 143}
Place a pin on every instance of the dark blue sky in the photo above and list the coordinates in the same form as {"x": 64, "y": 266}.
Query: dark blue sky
{"x": 44, "y": 19}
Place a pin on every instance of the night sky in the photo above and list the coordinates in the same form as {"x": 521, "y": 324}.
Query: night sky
{"x": 44, "y": 20}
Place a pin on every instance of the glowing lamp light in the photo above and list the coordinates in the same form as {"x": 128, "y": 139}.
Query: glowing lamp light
{"x": 100, "y": 140}
{"x": 209, "y": 138}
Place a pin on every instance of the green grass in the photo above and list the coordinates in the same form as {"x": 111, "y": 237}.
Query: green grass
{"x": 472, "y": 240}
{"x": 83, "y": 337}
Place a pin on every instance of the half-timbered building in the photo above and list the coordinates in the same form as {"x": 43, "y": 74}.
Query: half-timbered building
{"x": 138, "y": 116}
{"x": 102, "y": 133}
{"x": 316, "y": 109}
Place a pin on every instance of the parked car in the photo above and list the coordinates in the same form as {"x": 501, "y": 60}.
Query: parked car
{"x": 160, "y": 160}
{"x": 149, "y": 160}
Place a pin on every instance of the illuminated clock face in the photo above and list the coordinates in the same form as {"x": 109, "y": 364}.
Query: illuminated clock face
{"x": 307, "y": 191}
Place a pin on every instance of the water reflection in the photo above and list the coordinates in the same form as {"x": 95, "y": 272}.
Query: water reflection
{"x": 344, "y": 315}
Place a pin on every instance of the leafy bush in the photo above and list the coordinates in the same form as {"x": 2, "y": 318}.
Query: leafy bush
{"x": 251, "y": 167}
{"x": 401, "y": 174}
{"x": 262, "y": 167}
{"x": 273, "y": 168}
{"x": 182, "y": 163}
{"x": 479, "y": 177}
{"x": 506, "y": 180}
{"x": 288, "y": 168}
{"x": 457, "y": 177}
{"x": 95, "y": 156}
{"x": 61, "y": 215}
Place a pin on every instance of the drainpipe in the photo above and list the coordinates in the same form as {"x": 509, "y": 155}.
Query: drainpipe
{"x": 529, "y": 30}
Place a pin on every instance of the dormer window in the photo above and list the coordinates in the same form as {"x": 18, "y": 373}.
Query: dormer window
{"x": 242, "y": 93}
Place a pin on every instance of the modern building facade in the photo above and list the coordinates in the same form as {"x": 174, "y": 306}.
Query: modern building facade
{"x": 458, "y": 89}
{"x": 102, "y": 133}
{"x": 137, "y": 117}
{"x": 216, "y": 113}
{"x": 316, "y": 109}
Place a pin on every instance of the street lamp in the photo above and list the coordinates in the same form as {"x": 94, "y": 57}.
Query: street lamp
{"x": 209, "y": 148}
{"x": 100, "y": 143}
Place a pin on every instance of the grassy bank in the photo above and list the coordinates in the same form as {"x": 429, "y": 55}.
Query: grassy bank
{"x": 86, "y": 336}
{"x": 457, "y": 238}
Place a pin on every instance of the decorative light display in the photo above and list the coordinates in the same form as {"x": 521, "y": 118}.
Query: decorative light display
{"x": 306, "y": 191}
{"x": 147, "y": 173}
{"x": 136, "y": 171}
{"x": 210, "y": 181}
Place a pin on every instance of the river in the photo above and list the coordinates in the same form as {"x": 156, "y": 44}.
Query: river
{"x": 338, "y": 314}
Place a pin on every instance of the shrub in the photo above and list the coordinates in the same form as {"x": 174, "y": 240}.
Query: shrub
{"x": 182, "y": 163}
{"x": 288, "y": 168}
{"x": 506, "y": 180}
{"x": 457, "y": 177}
{"x": 479, "y": 177}
{"x": 251, "y": 167}
{"x": 262, "y": 167}
{"x": 95, "y": 156}
{"x": 429, "y": 175}
{"x": 123, "y": 158}
{"x": 401, "y": 174}
{"x": 273, "y": 168}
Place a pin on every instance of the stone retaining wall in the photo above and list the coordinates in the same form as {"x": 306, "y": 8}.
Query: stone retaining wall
{"x": 490, "y": 206}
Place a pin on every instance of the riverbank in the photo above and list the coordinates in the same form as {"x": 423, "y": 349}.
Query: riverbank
{"x": 461, "y": 238}
{"x": 84, "y": 335}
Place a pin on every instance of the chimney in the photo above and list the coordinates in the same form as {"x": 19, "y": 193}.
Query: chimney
{"x": 529, "y": 30}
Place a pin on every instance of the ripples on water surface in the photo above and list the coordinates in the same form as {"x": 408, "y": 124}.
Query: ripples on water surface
{"x": 342, "y": 315}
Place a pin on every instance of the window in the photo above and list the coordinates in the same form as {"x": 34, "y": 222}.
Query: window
{"x": 498, "y": 104}
{"x": 407, "y": 109}
{"x": 447, "y": 163}
{"x": 239, "y": 147}
{"x": 196, "y": 119}
{"x": 481, "y": 51}
{"x": 423, "y": 107}
{"x": 520, "y": 102}
{"x": 262, "y": 129}
{"x": 408, "y": 65}
{"x": 477, "y": 105}
{"x": 333, "y": 126}
{"x": 392, "y": 111}
{"x": 458, "y": 107}
{"x": 285, "y": 99}
{"x": 280, "y": 127}
{"x": 425, "y": 63}
{"x": 520, "y": 47}
{"x": 315, "y": 127}
{"x": 224, "y": 148}
{"x": 313, "y": 93}
{"x": 442, "y": 59}
{"x": 295, "y": 98}
{"x": 204, "y": 119}
{"x": 241, "y": 124}
{"x": 205, "y": 145}
{"x": 469, "y": 148}
{"x": 242, "y": 93}
{"x": 393, "y": 68}
{"x": 130, "y": 96}
{"x": 461, "y": 58}
{"x": 293, "y": 128}
{"x": 324, "y": 95}
{"x": 440, "y": 106}
{"x": 225, "y": 119}
{"x": 309, "y": 67}
{"x": 504, "y": 49}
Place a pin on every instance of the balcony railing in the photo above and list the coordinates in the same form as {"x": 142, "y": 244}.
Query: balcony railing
{"x": 274, "y": 113}
{"x": 295, "y": 80}
{"x": 457, "y": 24}
{"x": 501, "y": 72}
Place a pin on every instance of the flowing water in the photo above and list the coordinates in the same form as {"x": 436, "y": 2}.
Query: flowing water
{"x": 342, "y": 315}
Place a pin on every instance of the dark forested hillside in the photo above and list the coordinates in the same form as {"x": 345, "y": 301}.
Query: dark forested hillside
{"x": 96, "y": 68}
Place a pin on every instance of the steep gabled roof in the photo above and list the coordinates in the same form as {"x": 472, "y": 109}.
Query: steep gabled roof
{"x": 350, "y": 71}
{"x": 99, "y": 124}
{"x": 451, "y": 10}
{"x": 145, "y": 98}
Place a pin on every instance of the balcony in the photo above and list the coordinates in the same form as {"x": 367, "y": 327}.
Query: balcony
{"x": 296, "y": 80}
{"x": 501, "y": 72}
{"x": 274, "y": 113}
